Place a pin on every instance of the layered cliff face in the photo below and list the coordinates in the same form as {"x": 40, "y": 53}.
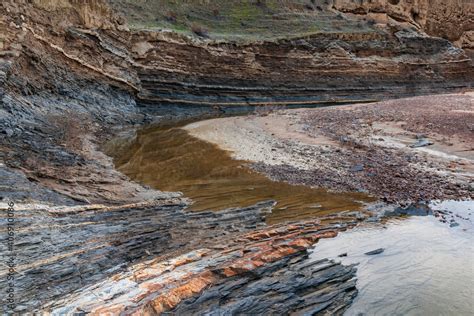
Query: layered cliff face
{"x": 71, "y": 75}
{"x": 63, "y": 85}
{"x": 374, "y": 50}
{"x": 80, "y": 36}
{"x": 452, "y": 19}
{"x": 324, "y": 67}
{"x": 336, "y": 51}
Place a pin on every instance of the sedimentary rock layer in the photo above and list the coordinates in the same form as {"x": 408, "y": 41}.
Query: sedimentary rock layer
{"x": 166, "y": 70}
{"x": 449, "y": 19}
{"x": 262, "y": 272}
{"x": 309, "y": 70}
{"x": 74, "y": 63}
{"x": 62, "y": 249}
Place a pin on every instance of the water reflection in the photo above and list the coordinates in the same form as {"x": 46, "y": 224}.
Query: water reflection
{"x": 169, "y": 159}
{"x": 427, "y": 267}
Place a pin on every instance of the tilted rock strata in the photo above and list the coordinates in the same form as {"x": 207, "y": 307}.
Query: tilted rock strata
{"x": 294, "y": 285}
{"x": 56, "y": 59}
{"x": 266, "y": 271}
{"x": 59, "y": 82}
{"x": 60, "y": 56}
{"x": 63, "y": 249}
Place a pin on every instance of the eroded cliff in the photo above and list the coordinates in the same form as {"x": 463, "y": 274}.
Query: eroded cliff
{"x": 375, "y": 50}
{"x": 452, "y": 19}
{"x": 72, "y": 74}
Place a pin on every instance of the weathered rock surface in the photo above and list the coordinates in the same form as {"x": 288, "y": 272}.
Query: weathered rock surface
{"x": 62, "y": 249}
{"x": 263, "y": 272}
{"x": 388, "y": 55}
{"x": 375, "y": 252}
{"x": 70, "y": 75}
{"x": 62, "y": 88}
{"x": 450, "y": 19}
{"x": 319, "y": 68}
{"x": 165, "y": 70}
{"x": 16, "y": 186}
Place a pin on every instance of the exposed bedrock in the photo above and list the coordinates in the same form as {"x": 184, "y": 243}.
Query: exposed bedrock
{"x": 389, "y": 55}
{"x": 62, "y": 249}
{"x": 164, "y": 70}
{"x": 293, "y": 285}
{"x": 321, "y": 67}
{"x": 71, "y": 75}
{"x": 324, "y": 67}
{"x": 262, "y": 272}
{"x": 449, "y": 19}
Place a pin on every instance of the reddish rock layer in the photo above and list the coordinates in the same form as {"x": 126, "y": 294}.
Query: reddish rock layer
{"x": 176, "y": 285}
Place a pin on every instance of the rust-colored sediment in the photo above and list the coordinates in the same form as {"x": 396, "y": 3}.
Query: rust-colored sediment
{"x": 158, "y": 286}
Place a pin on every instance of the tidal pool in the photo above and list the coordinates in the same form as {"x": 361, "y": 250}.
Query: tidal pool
{"x": 427, "y": 267}
{"x": 169, "y": 159}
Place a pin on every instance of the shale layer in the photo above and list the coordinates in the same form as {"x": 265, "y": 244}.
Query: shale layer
{"x": 263, "y": 272}
{"x": 63, "y": 249}
{"x": 72, "y": 75}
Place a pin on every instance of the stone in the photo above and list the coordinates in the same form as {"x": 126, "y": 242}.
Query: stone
{"x": 375, "y": 252}
{"x": 357, "y": 168}
{"x": 266, "y": 270}
{"x": 8, "y": 131}
{"x": 418, "y": 209}
{"x": 87, "y": 244}
{"x": 421, "y": 143}
{"x": 150, "y": 255}
{"x": 470, "y": 187}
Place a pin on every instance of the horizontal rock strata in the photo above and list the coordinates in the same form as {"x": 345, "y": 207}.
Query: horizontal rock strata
{"x": 166, "y": 70}
{"x": 321, "y": 68}
{"x": 75, "y": 63}
{"x": 450, "y": 19}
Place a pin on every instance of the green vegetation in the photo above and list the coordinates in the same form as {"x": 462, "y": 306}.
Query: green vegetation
{"x": 236, "y": 19}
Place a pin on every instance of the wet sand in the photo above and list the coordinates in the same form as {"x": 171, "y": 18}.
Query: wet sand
{"x": 363, "y": 148}
{"x": 170, "y": 159}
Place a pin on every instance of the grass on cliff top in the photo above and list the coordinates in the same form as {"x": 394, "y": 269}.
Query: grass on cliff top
{"x": 237, "y": 19}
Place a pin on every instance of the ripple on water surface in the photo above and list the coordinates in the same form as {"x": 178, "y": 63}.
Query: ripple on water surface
{"x": 169, "y": 159}
{"x": 427, "y": 267}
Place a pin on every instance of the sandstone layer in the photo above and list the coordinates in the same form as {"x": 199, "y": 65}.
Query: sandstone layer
{"x": 319, "y": 68}
{"x": 452, "y": 19}
{"x": 72, "y": 75}
{"x": 63, "y": 249}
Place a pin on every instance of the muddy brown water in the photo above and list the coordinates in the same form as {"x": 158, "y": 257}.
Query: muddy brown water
{"x": 169, "y": 159}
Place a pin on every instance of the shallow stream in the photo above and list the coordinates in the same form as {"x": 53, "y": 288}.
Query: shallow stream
{"x": 427, "y": 267}
{"x": 169, "y": 159}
